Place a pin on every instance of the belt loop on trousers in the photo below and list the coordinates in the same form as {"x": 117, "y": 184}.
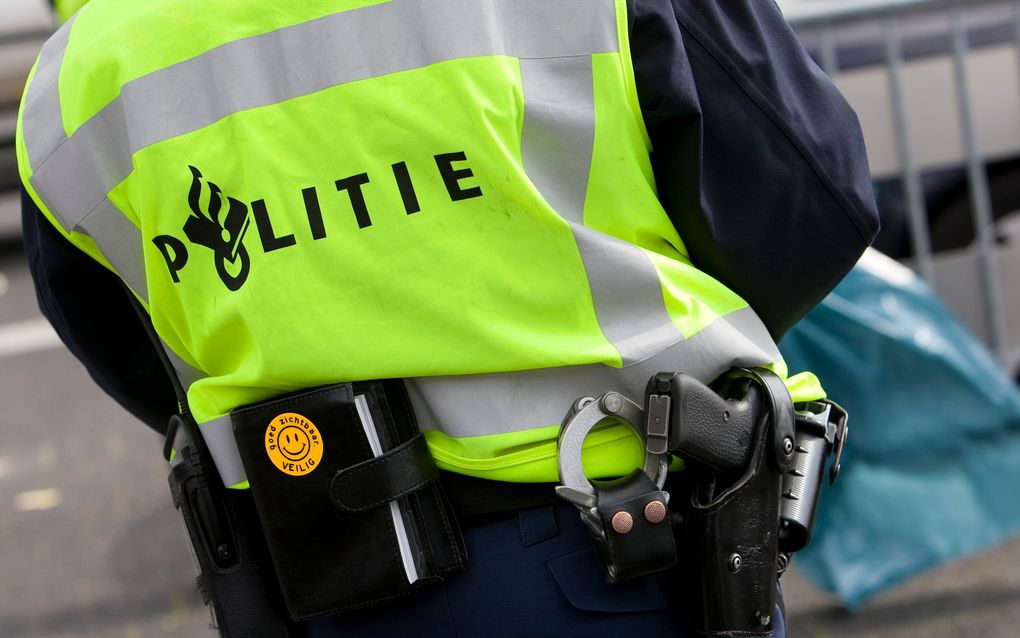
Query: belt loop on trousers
{"x": 538, "y": 525}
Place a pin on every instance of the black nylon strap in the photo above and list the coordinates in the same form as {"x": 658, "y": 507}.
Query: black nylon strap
{"x": 157, "y": 346}
{"x": 405, "y": 469}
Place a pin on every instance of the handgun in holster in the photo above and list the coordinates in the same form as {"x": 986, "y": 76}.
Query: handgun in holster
{"x": 235, "y": 574}
{"x": 754, "y": 466}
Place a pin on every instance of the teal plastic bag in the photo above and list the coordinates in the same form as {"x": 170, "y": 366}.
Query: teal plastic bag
{"x": 932, "y": 459}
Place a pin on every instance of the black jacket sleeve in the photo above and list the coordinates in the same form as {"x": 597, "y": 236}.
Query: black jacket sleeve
{"x": 90, "y": 310}
{"x": 759, "y": 160}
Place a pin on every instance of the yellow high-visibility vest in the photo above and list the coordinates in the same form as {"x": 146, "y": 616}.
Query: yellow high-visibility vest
{"x": 66, "y": 8}
{"x": 453, "y": 192}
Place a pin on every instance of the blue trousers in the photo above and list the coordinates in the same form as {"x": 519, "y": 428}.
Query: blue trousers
{"x": 529, "y": 573}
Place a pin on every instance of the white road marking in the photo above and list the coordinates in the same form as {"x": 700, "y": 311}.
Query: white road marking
{"x": 33, "y": 335}
{"x": 5, "y": 284}
{"x": 37, "y": 500}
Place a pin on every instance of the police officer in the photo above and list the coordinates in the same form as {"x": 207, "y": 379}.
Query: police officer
{"x": 507, "y": 204}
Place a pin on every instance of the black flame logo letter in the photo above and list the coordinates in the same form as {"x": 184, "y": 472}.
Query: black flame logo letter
{"x": 224, "y": 237}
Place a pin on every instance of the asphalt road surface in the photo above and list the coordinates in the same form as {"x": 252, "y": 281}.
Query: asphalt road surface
{"x": 90, "y": 545}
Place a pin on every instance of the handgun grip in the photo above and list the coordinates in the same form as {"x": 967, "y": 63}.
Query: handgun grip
{"x": 708, "y": 428}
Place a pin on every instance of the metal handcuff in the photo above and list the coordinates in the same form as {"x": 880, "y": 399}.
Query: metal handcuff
{"x": 628, "y": 517}
{"x": 584, "y": 415}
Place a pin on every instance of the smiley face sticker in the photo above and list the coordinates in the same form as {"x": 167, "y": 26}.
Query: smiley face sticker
{"x": 293, "y": 444}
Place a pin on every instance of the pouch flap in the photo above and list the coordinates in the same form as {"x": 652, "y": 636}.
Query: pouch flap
{"x": 405, "y": 469}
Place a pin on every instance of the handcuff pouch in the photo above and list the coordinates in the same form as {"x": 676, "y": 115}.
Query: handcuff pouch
{"x": 636, "y": 538}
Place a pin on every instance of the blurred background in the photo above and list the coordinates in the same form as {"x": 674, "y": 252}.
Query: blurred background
{"x": 90, "y": 544}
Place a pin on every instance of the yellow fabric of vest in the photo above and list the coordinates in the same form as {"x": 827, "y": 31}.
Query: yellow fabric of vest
{"x": 456, "y": 193}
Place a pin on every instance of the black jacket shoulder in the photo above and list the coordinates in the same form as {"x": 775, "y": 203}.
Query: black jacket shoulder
{"x": 759, "y": 160}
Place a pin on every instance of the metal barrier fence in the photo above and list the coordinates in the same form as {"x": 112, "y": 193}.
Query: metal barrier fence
{"x": 823, "y": 21}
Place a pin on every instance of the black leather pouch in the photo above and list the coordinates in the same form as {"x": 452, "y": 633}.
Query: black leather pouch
{"x": 347, "y": 496}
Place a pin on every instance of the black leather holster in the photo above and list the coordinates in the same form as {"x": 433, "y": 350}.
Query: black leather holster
{"x": 729, "y": 536}
{"x": 738, "y": 440}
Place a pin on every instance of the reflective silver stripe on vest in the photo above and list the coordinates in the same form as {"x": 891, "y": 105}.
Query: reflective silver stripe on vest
{"x": 121, "y": 244}
{"x": 627, "y": 293}
{"x": 43, "y": 124}
{"x": 558, "y": 135}
{"x": 749, "y": 324}
{"x": 472, "y": 405}
{"x": 219, "y": 438}
{"x": 185, "y": 372}
{"x": 73, "y": 175}
{"x": 263, "y": 70}
{"x": 557, "y": 144}
{"x": 554, "y": 41}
